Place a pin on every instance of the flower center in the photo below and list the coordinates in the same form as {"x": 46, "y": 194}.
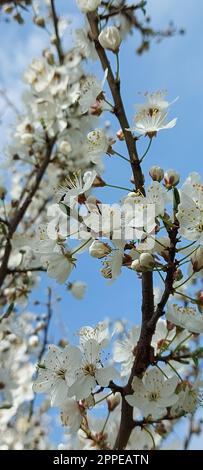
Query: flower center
{"x": 153, "y": 112}
{"x": 89, "y": 369}
{"x": 61, "y": 373}
{"x": 154, "y": 396}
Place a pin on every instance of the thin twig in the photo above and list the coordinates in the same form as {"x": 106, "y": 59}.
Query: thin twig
{"x": 44, "y": 344}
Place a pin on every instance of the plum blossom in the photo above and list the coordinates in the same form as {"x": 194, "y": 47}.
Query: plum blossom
{"x": 190, "y": 209}
{"x": 57, "y": 373}
{"x": 91, "y": 372}
{"x": 153, "y": 394}
{"x": 152, "y": 115}
{"x": 185, "y": 317}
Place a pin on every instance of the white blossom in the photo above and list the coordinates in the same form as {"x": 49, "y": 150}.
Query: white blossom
{"x": 91, "y": 373}
{"x": 153, "y": 394}
{"x": 185, "y": 317}
{"x": 88, "y": 5}
{"x": 57, "y": 373}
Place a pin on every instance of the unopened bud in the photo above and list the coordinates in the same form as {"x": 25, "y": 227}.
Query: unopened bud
{"x": 17, "y": 17}
{"x": 65, "y": 147}
{"x": 39, "y": 21}
{"x": 171, "y": 178}
{"x": 113, "y": 402}
{"x": 110, "y": 38}
{"x": 53, "y": 39}
{"x": 7, "y": 8}
{"x": 147, "y": 261}
{"x": 27, "y": 138}
{"x": 200, "y": 297}
{"x": 156, "y": 173}
{"x": 33, "y": 341}
{"x": 197, "y": 259}
{"x": 120, "y": 135}
{"x": 136, "y": 266}
{"x": 49, "y": 56}
{"x": 96, "y": 108}
{"x": 178, "y": 275}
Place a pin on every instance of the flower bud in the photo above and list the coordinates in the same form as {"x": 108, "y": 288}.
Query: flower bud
{"x": 200, "y": 297}
{"x": 120, "y": 135}
{"x": 171, "y": 178}
{"x": 65, "y": 147}
{"x": 7, "y": 8}
{"x": 113, "y": 402}
{"x": 88, "y": 5}
{"x": 156, "y": 173}
{"x": 27, "y": 138}
{"x": 147, "y": 261}
{"x": 178, "y": 275}
{"x": 49, "y": 56}
{"x": 99, "y": 249}
{"x": 96, "y": 108}
{"x": 197, "y": 259}
{"x": 110, "y": 38}
{"x": 17, "y": 17}
{"x": 33, "y": 341}
{"x": 136, "y": 266}
{"x": 39, "y": 21}
{"x": 54, "y": 40}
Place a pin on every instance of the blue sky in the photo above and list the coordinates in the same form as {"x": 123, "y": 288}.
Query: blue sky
{"x": 176, "y": 64}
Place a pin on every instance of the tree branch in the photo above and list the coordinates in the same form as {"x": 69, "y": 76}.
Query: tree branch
{"x": 58, "y": 40}
{"x": 17, "y": 218}
{"x": 119, "y": 110}
{"x": 143, "y": 353}
{"x": 45, "y": 342}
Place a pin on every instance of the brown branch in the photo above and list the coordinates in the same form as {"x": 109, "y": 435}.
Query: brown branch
{"x": 143, "y": 354}
{"x": 169, "y": 278}
{"x": 190, "y": 432}
{"x": 44, "y": 344}
{"x": 113, "y": 11}
{"x": 17, "y": 218}
{"x": 25, "y": 270}
{"x": 119, "y": 109}
{"x": 58, "y": 40}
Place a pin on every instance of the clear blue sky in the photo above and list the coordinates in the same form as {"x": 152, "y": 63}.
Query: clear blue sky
{"x": 176, "y": 65}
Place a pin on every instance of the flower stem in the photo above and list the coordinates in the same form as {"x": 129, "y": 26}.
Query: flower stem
{"x": 118, "y": 187}
{"x": 146, "y": 152}
{"x": 182, "y": 342}
{"x": 121, "y": 156}
{"x": 174, "y": 370}
{"x": 151, "y": 435}
{"x": 81, "y": 246}
{"x": 188, "y": 278}
{"x": 117, "y": 68}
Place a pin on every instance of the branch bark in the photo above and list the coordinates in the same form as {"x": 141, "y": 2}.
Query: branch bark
{"x": 17, "y": 218}
{"x": 56, "y": 29}
{"x": 144, "y": 352}
{"x": 120, "y": 113}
